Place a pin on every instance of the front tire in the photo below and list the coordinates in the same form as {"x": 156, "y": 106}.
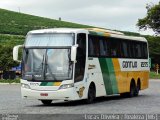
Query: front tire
{"x": 91, "y": 94}
{"x": 46, "y": 102}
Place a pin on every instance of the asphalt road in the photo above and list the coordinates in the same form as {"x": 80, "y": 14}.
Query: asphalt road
{"x": 147, "y": 102}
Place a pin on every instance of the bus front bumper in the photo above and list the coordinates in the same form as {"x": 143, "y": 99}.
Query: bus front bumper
{"x": 62, "y": 94}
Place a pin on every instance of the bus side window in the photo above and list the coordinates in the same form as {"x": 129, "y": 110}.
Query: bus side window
{"x": 138, "y": 50}
{"x": 132, "y": 49}
{"x": 144, "y": 50}
{"x": 114, "y": 47}
{"x": 104, "y": 50}
{"x": 124, "y": 49}
{"x": 90, "y": 47}
{"x": 93, "y": 46}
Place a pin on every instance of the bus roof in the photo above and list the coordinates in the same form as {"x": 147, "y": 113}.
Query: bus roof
{"x": 114, "y": 34}
{"x": 93, "y": 31}
{"x": 58, "y": 30}
{"x": 102, "y": 30}
{"x": 129, "y": 37}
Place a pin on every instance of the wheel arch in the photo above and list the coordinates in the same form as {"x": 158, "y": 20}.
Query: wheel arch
{"x": 132, "y": 81}
{"x": 92, "y": 83}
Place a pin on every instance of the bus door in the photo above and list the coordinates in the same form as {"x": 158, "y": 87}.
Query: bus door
{"x": 80, "y": 64}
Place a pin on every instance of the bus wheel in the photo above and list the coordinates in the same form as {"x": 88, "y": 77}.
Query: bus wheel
{"x": 91, "y": 94}
{"x": 46, "y": 102}
{"x": 137, "y": 89}
{"x": 132, "y": 89}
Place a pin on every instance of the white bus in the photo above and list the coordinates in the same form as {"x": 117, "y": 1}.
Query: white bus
{"x": 72, "y": 64}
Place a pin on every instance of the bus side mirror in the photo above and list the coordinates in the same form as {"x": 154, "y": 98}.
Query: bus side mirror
{"x": 74, "y": 52}
{"x": 15, "y": 52}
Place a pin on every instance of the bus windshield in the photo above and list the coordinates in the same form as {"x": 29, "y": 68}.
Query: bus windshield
{"x": 47, "y": 64}
{"x": 47, "y": 57}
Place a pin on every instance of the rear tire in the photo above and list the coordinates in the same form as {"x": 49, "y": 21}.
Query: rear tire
{"x": 46, "y": 102}
{"x": 132, "y": 89}
{"x": 91, "y": 94}
{"x": 137, "y": 89}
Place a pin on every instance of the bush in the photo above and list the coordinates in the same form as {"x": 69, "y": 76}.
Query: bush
{"x": 10, "y": 81}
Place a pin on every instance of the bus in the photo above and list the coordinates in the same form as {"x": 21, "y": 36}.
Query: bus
{"x": 73, "y": 64}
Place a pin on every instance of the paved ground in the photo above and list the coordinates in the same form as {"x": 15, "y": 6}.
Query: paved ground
{"x": 147, "y": 102}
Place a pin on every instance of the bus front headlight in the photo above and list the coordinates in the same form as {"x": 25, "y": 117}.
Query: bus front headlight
{"x": 65, "y": 86}
{"x": 25, "y": 86}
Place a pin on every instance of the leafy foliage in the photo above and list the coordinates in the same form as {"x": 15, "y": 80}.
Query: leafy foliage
{"x": 7, "y": 42}
{"x": 10, "y": 81}
{"x": 154, "y": 45}
{"x": 152, "y": 19}
{"x": 6, "y": 60}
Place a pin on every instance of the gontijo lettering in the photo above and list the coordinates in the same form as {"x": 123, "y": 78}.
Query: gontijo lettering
{"x": 129, "y": 64}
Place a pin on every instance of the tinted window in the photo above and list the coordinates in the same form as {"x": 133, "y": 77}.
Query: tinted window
{"x": 144, "y": 51}
{"x": 90, "y": 47}
{"x": 138, "y": 51}
{"x": 125, "y": 49}
{"x": 93, "y": 45}
{"x": 115, "y": 47}
{"x": 104, "y": 47}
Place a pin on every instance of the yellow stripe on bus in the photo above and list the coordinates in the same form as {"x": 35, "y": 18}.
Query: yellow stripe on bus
{"x": 124, "y": 78}
{"x": 120, "y": 76}
{"x": 56, "y": 83}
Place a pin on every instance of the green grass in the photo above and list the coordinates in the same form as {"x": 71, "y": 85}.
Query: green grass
{"x": 10, "y": 81}
{"x": 6, "y": 39}
{"x": 153, "y": 75}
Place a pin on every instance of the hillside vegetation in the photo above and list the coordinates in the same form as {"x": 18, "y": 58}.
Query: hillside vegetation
{"x": 8, "y": 39}
{"x": 14, "y": 26}
{"x": 20, "y": 24}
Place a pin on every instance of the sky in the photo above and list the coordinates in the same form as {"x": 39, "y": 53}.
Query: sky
{"x": 110, "y": 14}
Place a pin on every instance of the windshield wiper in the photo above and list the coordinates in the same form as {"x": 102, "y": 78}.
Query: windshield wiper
{"x": 70, "y": 62}
{"x": 47, "y": 66}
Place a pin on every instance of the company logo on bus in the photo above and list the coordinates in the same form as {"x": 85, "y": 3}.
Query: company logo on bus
{"x": 34, "y": 84}
{"x": 129, "y": 64}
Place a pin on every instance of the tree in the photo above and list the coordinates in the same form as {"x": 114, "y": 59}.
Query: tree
{"x": 6, "y": 60}
{"x": 152, "y": 19}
